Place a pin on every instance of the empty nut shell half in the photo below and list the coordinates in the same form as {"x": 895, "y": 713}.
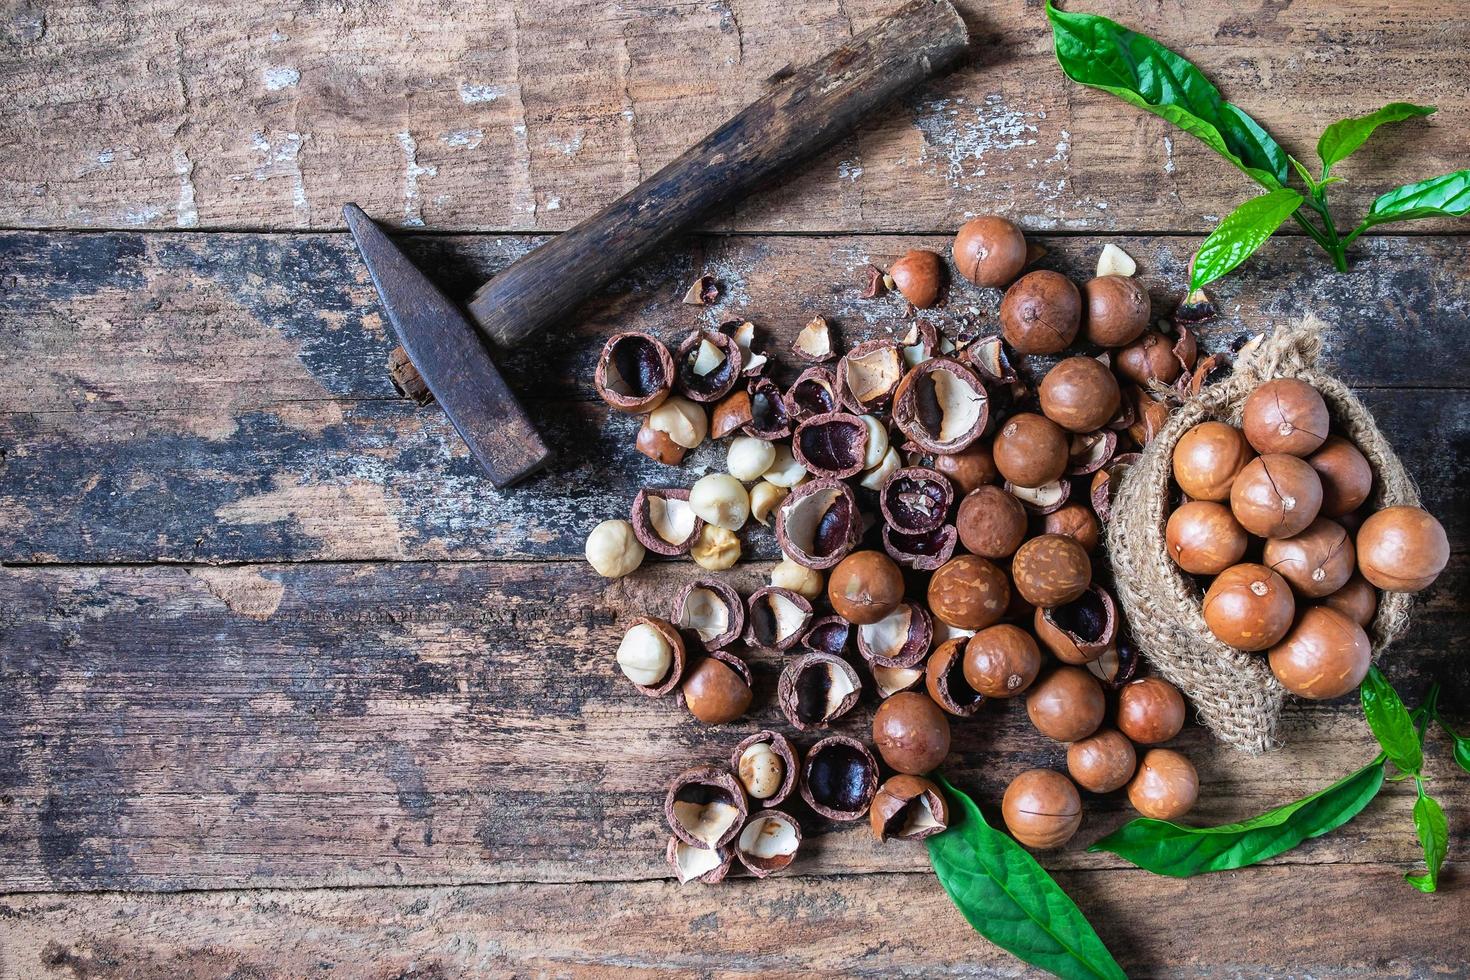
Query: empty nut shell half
{"x": 916, "y": 499}
{"x": 888, "y": 681}
{"x": 702, "y": 864}
{"x": 818, "y": 523}
{"x": 908, "y": 808}
{"x": 900, "y": 639}
{"x": 817, "y": 688}
{"x": 829, "y": 634}
{"x": 945, "y": 679}
{"x": 839, "y": 778}
{"x": 705, "y": 806}
{"x": 833, "y": 444}
{"x": 768, "y": 417}
{"x": 923, "y": 552}
{"x": 785, "y": 753}
{"x": 1081, "y": 630}
{"x": 635, "y": 372}
{"x": 708, "y": 365}
{"x": 814, "y": 342}
{"x": 711, "y": 611}
{"x": 776, "y": 618}
{"x": 1118, "y": 664}
{"x": 814, "y": 392}
{"x": 869, "y": 374}
{"x": 988, "y": 357}
{"x": 941, "y": 406}
{"x": 663, "y": 521}
{"x": 1091, "y": 451}
{"x": 633, "y": 653}
{"x": 768, "y": 843}
{"x": 731, "y": 415}
{"x": 1045, "y": 499}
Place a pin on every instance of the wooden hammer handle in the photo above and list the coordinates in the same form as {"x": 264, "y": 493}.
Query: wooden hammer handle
{"x": 805, "y": 114}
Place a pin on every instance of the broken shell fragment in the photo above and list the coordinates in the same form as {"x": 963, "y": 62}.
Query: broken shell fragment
{"x": 916, "y": 500}
{"x": 652, "y": 656}
{"x": 1115, "y": 262}
{"x": 818, "y": 523}
{"x": 708, "y": 365}
{"x": 988, "y": 357}
{"x": 920, "y": 343}
{"x": 702, "y": 292}
{"x": 941, "y": 406}
{"x": 1045, "y": 499}
{"x": 900, "y": 639}
{"x": 731, "y": 414}
{"x": 814, "y": 392}
{"x": 908, "y": 808}
{"x": 814, "y": 342}
{"x": 1091, "y": 451}
{"x": 944, "y": 676}
{"x": 817, "y": 688}
{"x": 766, "y": 765}
{"x": 888, "y": 681}
{"x": 702, "y": 864}
{"x": 924, "y": 551}
{"x": 1197, "y": 307}
{"x": 768, "y": 843}
{"x": 768, "y": 417}
{"x": 1079, "y": 631}
{"x": 635, "y": 372}
{"x": 869, "y": 374}
{"x": 776, "y": 618}
{"x": 1118, "y": 664}
{"x": 833, "y": 445}
{"x": 663, "y": 521}
{"x": 657, "y": 445}
{"x": 829, "y": 634}
{"x": 705, "y": 806}
{"x": 1105, "y": 483}
{"x": 839, "y": 778}
{"x": 712, "y": 611}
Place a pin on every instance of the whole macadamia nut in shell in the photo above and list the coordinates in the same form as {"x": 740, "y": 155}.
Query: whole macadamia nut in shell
{"x": 1347, "y": 478}
{"x": 1041, "y": 809}
{"x": 1276, "y": 496}
{"x": 919, "y": 276}
{"x": 1041, "y": 312}
{"x": 911, "y": 733}
{"x": 1207, "y": 458}
{"x": 1150, "y": 710}
{"x": 1001, "y": 661}
{"x": 1166, "y": 785}
{"x": 1066, "y": 704}
{"x": 1031, "y": 450}
{"x": 1080, "y": 394}
{"x": 1204, "y": 538}
{"x": 1285, "y": 415}
{"x": 1325, "y": 655}
{"x": 991, "y": 522}
{"x": 1249, "y": 607}
{"x": 990, "y": 251}
{"x": 1402, "y": 549}
{"x": 865, "y": 587}
{"x": 1317, "y": 562}
{"x": 1117, "y": 310}
{"x": 1051, "y": 570}
{"x": 1102, "y": 762}
{"x": 969, "y": 592}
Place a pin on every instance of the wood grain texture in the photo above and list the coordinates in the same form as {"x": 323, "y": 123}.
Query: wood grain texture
{"x": 312, "y": 724}
{"x": 224, "y": 397}
{"x": 870, "y": 926}
{"x": 534, "y": 114}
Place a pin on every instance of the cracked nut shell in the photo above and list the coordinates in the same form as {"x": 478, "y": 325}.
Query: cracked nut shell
{"x": 663, "y": 522}
{"x": 911, "y": 733}
{"x": 1317, "y": 562}
{"x": 1081, "y": 630}
{"x": 633, "y": 656}
{"x": 710, "y": 611}
{"x": 705, "y": 806}
{"x": 818, "y": 524}
{"x": 816, "y": 689}
{"x": 1249, "y": 607}
{"x": 831, "y": 445}
{"x": 730, "y": 415}
{"x": 900, "y": 639}
{"x": 922, "y": 552}
{"x": 915, "y": 499}
{"x": 944, "y": 679}
{"x": 1276, "y": 496}
{"x": 776, "y": 618}
{"x": 839, "y": 778}
{"x": 715, "y": 382}
{"x": 814, "y": 392}
{"x": 869, "y": 374}
{"x": 768, "y": 843}
{"x": 908, "y": 808}
{"x": 829, "y": 634}
{"x": 634, "y": 373}
{"x": 1285, "y": 415}
{"x": 919, "y": 276}
{"x": 941, "y": 406}
{"x": 766, "y": 779}
{"x": 700, "y": 864}
{"x": 1041, "y": 809}
{"x": 769, "y": 419}
{"x": 969, "y": 592}
{"x": 1040, "y": 313}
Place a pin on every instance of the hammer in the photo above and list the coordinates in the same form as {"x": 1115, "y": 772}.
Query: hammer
{"x": 807, "y": 111}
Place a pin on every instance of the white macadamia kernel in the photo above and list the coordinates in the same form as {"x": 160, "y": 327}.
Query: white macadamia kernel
{"x": 877, "y": 441}
{"x": 761, "y": 770}
{"x": 874, "y": 478}
{"x": 681, "y": 420}
{"x": 613, "y": 550}
{"x": 645, "y": 655}
{"x": 749, "y": 457}
{"x": 721, "y": 500}
{"x": 805, "y": 582}
{"x": 785, "y": 471}
{"x": 717, "y": 549}
{"x": 708, "y": 358}
{"x": 765, "y": 497}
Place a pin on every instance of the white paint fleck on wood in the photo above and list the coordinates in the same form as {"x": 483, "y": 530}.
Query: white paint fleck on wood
{"x": 278, "y": 77}
{"x": 469, "y": 139}
{"x": 187, "y": 212}
{"x": 413, "y": 205}
{"x": 471, "y": 93}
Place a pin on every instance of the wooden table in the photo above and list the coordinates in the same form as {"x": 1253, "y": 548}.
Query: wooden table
{"x": 287, "y": 689}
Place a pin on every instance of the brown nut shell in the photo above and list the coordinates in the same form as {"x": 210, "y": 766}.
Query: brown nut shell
{"x": 776, "y": 618}
{"x": 919, "y": 276}
{"x": 1045, "y": 499}
{"x": 717, "y": 689}
{"x": 888, "y": 681}
{"x": 1276, "y": 496}
{"x": 1249, "y": 607}
{"x": 1325, "y": 655}
{"x": 1117, "y": 311}
{"x": 831, "y": 445}
{"x": 911, "y": 733}
{"x": 814, "y": 342}
{"x": 1118, "y": 665}
{"x": 1051, "y": 570}
{"x": 658, "y": 446}
{"x": 1001, "y": 661}
{"x": 1077, "y": 522}
{"x": 839, "y": 778}
{"x": 1066, "y": 704}
{"x": 711, "y": 612}
{"x": 915, "y": 499}
{"x": 1207, "y": 458}
{"x": 705, "y": 806}
{"x": 731, "y": 414}
{"x": 1040, "y": 313}
{"x": 1102, "y": 762}
{"x": 659, "y": 518}
{"x": 816, "y": 689}
{"x": 1347, "y": 478}
{"x": 1031, "y": 450}
{"x": 1149, "y": 358}
{"x": 1088, "y": 452}
{"x": 1079, "y": 631}
{"x": 969, "y": 593}
{"x": 900, "y": 639}
{"x": 768, "y": 843}
{"x": 990, "y": 251}
{"x": 908, "y": 808}
{"x": 785, "y": 751}
{"x": 941, "y": 405}
{"x": 865, "y": 587}
{"x": 1285, "y": 415}
{"x": 1357, "y": 600}
{"x": 717, "y": 383}
{"x": 944, "y": 679}
{"x": 868, "y": 375}
{"x": 1150, "y": 710}
{"x": 969, "y": 468}
{"x": 922, "y": 552}
{"x": 988, "y": 357}
{"x": 769, "y": 419}
{"x": 1204, "y": 538}
{"x": 678, "y": 658}
{"x": 635, "y": 372}
{"x": 1105, "y": 483}
{"x": 1041, "y": 809}
{"x": 818, "y": 524}
{"x": 1317, "y": 562}
{"x": 991, "y": 522}
{"x": 814, "y": 392}
{"x": 700, "y": 864}
{"x": 1080, "y": 394}
{"x": 1402, "y": 549}
{"x": 830, "y": 634}
{"x": 1166, "y": 785}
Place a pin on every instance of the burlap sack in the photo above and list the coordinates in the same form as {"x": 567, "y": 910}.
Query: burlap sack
{"x": 1233, "y": 691}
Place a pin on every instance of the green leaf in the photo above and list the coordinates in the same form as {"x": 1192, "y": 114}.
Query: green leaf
{"x": 1445, "y": 196}
{"x": 1181, "y": 852}
{"x": 1103, "y": 54}
{"x": 1344, "y": 136}
{"x": 1391, "y": 722}
{"x": 1462, "y": 744}
{"x": 1242, "y": 232}
{"x": 1434, "y": 835}
{"x": 1010, "y": 899}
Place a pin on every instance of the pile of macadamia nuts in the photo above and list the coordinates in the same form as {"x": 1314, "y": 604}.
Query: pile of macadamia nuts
{"x": 1273, "y": 521}
{"x": 938, "y": 511}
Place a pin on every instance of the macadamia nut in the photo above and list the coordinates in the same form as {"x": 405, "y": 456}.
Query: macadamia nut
{"x": 805, "y": 582}
{"x": 749, "y": 457}
{"x": 683, "y": 421}
{"x": 761, "y": 771}
{"x": 874, "y": 478}
{"x": 720, "y": 499}
{"x": 877, "y": 446}
{"x": 613, "y": 550}
{"x": 717, "y": 549}
{"x": 785, "y": 471}
{"x": 644, "y": 655}
{"x": 765, "y": 496}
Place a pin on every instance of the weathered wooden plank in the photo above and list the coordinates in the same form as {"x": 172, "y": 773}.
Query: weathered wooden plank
{"x": 420, "y": 723}
{"x": 530, "y": 115}
{"x": 222, "y": 397}
{"x": 870, "y": 926}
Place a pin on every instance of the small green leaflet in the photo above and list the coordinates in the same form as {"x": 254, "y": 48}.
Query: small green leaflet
{"x": 1446, "y": 196}
{"x": 1391, "y": 723}
{"x": 1344, "y": 136}
{"x": 1181, "y": 852}
{"x": 1462, "y": 745}
{"x": 1434, "y": 834}
{"x": 1242, "y": 232}
{"x": 1104, "y": 54}
{"x": 1010, "y": 899}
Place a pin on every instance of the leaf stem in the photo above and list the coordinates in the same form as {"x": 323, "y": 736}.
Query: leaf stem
{"x": 1311, "y": 229}
{"x": 1317, "y": 201}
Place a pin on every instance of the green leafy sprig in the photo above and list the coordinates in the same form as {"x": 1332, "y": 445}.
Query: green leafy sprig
{"x": 1103, "y": 54}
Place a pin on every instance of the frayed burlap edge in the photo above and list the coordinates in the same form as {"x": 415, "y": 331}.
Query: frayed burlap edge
{"x": 1233, "y": 692}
